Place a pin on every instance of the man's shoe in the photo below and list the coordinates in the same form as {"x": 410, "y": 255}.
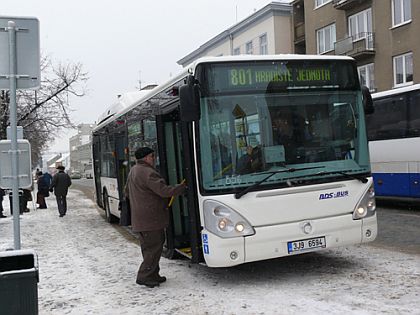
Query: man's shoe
{"x": 161, "y": 279}
{"x": 61, "y": 215}
{"x": 148, "y": 283}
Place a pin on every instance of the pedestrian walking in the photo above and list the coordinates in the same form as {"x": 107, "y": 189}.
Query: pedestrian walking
{"x": 1, "y": 203}
{"x": 148, "y": 195}
{"x": 60, "y": 185}
{"x": 43, "y": 192}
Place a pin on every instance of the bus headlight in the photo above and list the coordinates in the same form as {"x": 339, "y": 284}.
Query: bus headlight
{"x": 224, "y": 221}
{"x": 366, "y": 206}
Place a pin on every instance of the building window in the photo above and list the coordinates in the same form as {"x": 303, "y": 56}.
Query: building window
{"x": 403, "y": 69}
{"x": 325, "y": 39}
{"x": 249, "y": 49}
{"x": 360, "y": 24}
{"x": 237, "y": 51}
{"x": 263, "y": 45}
{"x": 401, "y": 12}
{"x": 367, "y": 76}
{"x": 319, "y": 3}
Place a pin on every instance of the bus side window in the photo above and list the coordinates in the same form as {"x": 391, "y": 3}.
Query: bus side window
{"x": 414, "y": 114}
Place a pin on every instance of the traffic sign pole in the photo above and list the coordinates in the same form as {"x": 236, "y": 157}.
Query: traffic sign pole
{"x": 11, "y": 26}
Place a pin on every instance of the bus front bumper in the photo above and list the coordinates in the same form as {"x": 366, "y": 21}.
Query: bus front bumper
{"x": 272, "y": 241}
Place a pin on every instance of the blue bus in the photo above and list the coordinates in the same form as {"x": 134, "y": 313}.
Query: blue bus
{"x": 394, "y": 142}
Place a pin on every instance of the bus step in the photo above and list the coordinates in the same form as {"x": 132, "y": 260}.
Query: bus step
{"x": 184, "y": 252}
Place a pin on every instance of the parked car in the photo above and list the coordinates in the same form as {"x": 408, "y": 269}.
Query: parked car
{"x": 75, "y": 175}
{"x": 88, "y": 174}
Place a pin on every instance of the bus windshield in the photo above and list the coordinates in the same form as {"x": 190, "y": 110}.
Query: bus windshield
{"x": 262, "y": 118}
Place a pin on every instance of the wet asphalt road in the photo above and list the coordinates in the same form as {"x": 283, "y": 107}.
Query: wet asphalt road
{"x": 398, "y": 223}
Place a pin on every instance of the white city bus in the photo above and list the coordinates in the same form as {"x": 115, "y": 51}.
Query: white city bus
{"x": 394, "y": 142}
{"x": 273, "y": 149}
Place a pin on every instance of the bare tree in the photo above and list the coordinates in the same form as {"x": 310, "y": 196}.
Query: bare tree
{"x": 46, "y": 111}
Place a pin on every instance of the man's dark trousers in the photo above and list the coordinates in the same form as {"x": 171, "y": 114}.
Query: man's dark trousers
{"x": 62, "y": 204}
{"x": 151, "y": 243}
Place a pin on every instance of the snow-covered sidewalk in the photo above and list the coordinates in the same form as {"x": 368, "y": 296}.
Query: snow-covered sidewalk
{"x": 89, "y": 267}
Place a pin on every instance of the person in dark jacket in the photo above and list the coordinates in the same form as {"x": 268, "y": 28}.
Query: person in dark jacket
{"x": 1, "y": 203}
{"x": 47, "y": 178}
{"x": 60, "y": 185}
{"x": 43, "y": 188}
{"x": 148, "y": 194}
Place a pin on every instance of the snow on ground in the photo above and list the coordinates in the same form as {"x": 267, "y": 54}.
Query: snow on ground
{"x": 89, "y": 267}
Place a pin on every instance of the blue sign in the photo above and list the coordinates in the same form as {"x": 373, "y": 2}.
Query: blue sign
{"x": 206, "y": 248}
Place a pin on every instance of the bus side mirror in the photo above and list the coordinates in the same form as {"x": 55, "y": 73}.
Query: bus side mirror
{"x": 189, "y": 97}
{"x": 367, "y": 101}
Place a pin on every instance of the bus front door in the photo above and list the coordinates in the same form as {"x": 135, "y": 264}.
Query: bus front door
{"x": 171, "y": 166}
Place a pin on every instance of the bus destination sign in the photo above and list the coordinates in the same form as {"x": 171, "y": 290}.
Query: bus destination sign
{"x": 250, "y": 76}
{"x": 279, "y": 75}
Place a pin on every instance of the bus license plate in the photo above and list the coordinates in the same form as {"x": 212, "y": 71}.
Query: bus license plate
{"x": 306, "y": 245}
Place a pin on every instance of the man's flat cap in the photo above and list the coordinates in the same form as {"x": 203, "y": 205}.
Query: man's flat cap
{"x": 142, "y": 152}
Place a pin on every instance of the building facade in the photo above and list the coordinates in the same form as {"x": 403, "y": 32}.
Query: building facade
{"x": 266, "y": 31}
{"x": 81, "y": 149}
{"x": 379, "y": 34}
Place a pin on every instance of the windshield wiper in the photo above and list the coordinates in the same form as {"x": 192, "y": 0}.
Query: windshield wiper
{"x": 287, "y": 170}
{"x": 363, "y": 179}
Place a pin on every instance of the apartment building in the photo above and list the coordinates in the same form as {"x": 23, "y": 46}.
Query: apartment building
{"x": 81, "y": 149}
{"x": 379, "y": 34}
{"x": 266, "y": 31}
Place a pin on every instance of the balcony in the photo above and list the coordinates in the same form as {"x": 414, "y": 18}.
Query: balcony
{"x": 346, "y": 4}
{"x": 358, "y": 46}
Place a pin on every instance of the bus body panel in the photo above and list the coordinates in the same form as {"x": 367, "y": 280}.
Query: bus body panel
{"x": 217, "y": 250}
{"x": 272, "y": 241}
{"x": 280, "y": 218}
{"x": 394, "y": 142}
{"x": 110, "y": 185}
{"x": 396, "y": 167}
{"x": 293, "y": 204}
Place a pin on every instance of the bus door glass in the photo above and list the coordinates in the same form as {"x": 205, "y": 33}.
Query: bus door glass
{"x": 174, "y": 169}
{"x": 97, "y": 168}
{"x": 121, "y": 157}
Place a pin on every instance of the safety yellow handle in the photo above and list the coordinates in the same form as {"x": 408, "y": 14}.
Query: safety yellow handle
{"x": 171, "y": 201}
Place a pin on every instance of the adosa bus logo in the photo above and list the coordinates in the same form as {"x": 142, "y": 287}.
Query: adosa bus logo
{"x": 337, "y": 194}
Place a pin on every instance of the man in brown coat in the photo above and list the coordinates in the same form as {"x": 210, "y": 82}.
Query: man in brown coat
{"x": 148, "y": 195}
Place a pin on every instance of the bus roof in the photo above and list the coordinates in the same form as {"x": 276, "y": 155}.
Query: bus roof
{"x": 396, "y": 91}
{"x": 130, "y": 100}
{"x": 265, "y": 57}
{"x": 122, "y": 102}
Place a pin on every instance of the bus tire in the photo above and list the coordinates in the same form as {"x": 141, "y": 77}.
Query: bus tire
{"x": 109, "y": 217}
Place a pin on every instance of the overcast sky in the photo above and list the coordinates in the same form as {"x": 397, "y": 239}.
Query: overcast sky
{"x": 121, "y": 41}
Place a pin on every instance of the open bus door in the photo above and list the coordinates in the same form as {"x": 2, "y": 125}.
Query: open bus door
{"x": 122, "y": 162}
{"x": 176, "y": 164}
{"x": 96, "y": 148}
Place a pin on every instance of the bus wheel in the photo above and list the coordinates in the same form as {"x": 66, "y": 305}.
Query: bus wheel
{"x": 108, "y": 215}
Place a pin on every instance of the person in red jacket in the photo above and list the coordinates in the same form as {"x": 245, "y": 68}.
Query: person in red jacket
{"x": 148, "y": 195}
